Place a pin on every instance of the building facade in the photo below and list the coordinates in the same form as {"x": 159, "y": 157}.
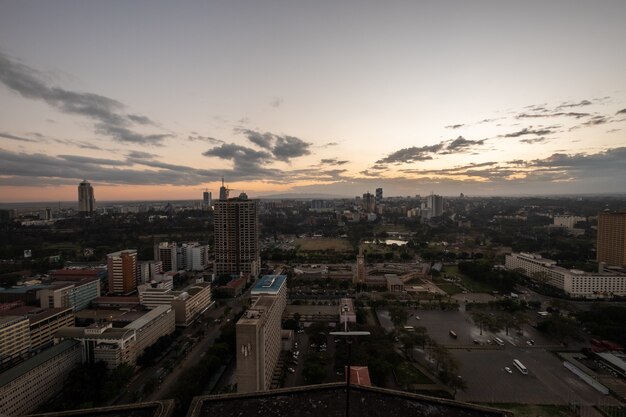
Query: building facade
{"x": 122, "y": 269}
{"x": 86, "y": 199}
{"x": 258, "y": 334}
{"x": 44, "y": 325}
{"x": 14, "y": 339}
{"x": 75, "y": 294}
{"x": 35, "y": 381}
{"x": 575, "y": 283}
{"x": 611, "y": 247}
{"x": 166, "y": 253}
{"x": 433, "y": 206}
{"x": 151, "y": 326}
{"x": 237, "y": 229}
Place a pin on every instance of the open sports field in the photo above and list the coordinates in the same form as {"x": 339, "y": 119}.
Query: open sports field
{"x": 318, "y": 244}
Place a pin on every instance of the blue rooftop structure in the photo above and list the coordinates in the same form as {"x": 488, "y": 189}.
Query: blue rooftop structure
{"x": 269, "y": 284}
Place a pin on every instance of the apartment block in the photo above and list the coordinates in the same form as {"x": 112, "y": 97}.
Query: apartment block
{"x": 26, "y": 386}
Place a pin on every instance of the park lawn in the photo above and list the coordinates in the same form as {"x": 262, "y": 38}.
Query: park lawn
{"x": 450, "y": 288}
{"x": 535, "y": 410}
{"x": 470, "y": 284}
{"x": 310, "y": 245}
{"x": 408, "y": 374}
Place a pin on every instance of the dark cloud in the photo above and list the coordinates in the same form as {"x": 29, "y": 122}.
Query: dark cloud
{"x": 106, "y": 113}
{"x": 530, "y": 131}
{"x": 141, "y": 155}
{"x": 535, "y": 140}
{"x": 461, "y": 144}
{"x": 622, "y": 111}
{"x": 567, "y": 105}
{"x": 412, "y": 154}
{"x": 283, "y": 148}
{"x": 276, "y": 102}
{"x": 288, "y": 147}
{"x": 454, "y": 126}
{"x": 555, "y": 114}
{"x": 18, "y": 138}
{"x": 142, "y": 120}
{"x": 378, "y": 167}
{"x": 89, "y": 160}
{"x": 207, "y": 139}
{"x": 613, "y": 130}
{"x": 333, "y": 161}
{"x": 329, "y": 144}
{"x": 262, "y": 140}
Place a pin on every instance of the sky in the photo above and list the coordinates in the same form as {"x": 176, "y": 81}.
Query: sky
{"x": 159, "y": 100}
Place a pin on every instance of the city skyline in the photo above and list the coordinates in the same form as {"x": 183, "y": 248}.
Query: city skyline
{"x": 151, "y": 101}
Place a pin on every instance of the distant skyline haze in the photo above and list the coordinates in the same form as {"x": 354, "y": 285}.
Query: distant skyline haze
{"x": 150, "y": 100}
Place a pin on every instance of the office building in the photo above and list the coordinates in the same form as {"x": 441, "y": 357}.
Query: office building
{"x": 122, "y": 269}
{"x": 368, "y": 203}
{"x": 74, "y": 294}
{"x": 187, "y": 304}
{"x": 148, "y": 270}
{"x": 237, "y": 228}
{"x": 612, "y": 238}
{"x": 166, "y": 252}
{"x": 567, "y": 221}
{"x": 433, "y": 206}
{"x": 194, "y": 256}
{"x": 379, "y": 196}
{"x": 259, "y": 335}
{"x": 207, "y": 200}
{"x": 28, "y": 385}
{"x": 14, "y": 339}
{"x": 86, "y": 200}
{"x": 575, "y": 283}
{"x": 151, "y": 326}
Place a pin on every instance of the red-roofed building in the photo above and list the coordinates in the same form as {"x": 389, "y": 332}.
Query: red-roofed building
{"x": 360, "y": 375}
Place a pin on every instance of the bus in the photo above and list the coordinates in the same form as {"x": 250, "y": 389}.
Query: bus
{"x": 520, "y": 366}
{"x": 498, "y": 341}
{"x": 453, "y": 334}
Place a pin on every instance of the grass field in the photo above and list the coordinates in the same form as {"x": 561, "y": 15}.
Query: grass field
{"x": 470, "y": 284}
{"x": 338, "y": 245}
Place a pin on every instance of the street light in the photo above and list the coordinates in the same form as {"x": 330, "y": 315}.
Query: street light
{"x": 348, "y": 335}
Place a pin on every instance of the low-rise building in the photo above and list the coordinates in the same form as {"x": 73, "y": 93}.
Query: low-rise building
{"x": 74, "y": 294}
{"x": 187, "y": 304}
{"x": 14, "y": 339}
{"x": 44, "y": 325}
{"x": 26, "y": 386}
{"x": 575, "y": 283}
{"x": 152, "y": 325}
{"x": 394, "y": 283}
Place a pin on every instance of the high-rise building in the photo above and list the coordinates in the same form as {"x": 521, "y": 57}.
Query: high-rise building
{"x": 122, "y": 269}
{"x": 237, "y": 231}
{"x": 86, "y": 200}
{"x": 612, "y": 238}
{"x": 369, "y": 203}
{"x": 166, "y": 253}
{"x": 259, "y": 334}
{"x": 379, "y": 196}
{"x": 223, "y": 191}
{"x": 207, "y": 200}
{"x": 434, "y": 206}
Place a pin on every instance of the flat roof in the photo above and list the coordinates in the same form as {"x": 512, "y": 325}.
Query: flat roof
{"x": 148, "y": 317}
{"x": 269, "y": 284}
{"x": 37, "y": 360}
{"x": 47, "y": 313}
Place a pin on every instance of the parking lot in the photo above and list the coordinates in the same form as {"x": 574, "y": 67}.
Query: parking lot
{"x": 547, "y": 382}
